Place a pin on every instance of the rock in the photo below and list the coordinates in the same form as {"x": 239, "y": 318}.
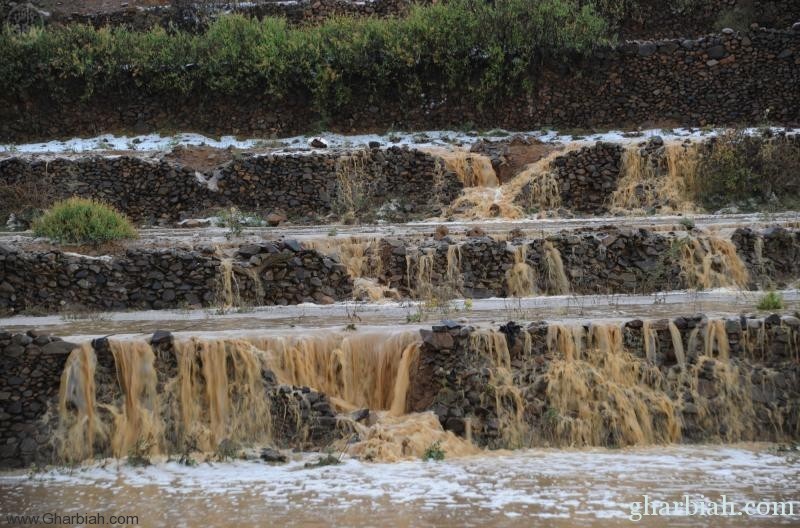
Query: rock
{"x": 276, "y": 219}
{"x": 321, "y": 298}
{"x": 272, "y": 456}
{"x": 161, "y": 337}
{"x": 374, "y": 144}
{"x": 194, "y": 223}
{"x": 28, "y": 446}
{"x": 59, "y": 347}
{"x": 456, "y": 425}
{"x": 249, "y": 250}
{"x": 360, "y": 415}
{"x": 796, "y": 26}
{"x": 647, "y": 48}
{"x": 475, "y": 232}
{"x": 438, "y": 340}
{"x": 717, "y": 52}
{"x": 294, "y": 245}
{"x": 318, "y": 143}
{"x": 101, "y": 344}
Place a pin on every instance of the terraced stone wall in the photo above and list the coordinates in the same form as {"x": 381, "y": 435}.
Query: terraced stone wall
{"x": 304, "y": 187}
{"x": 266, "y": 274}
{"x": 716, "y": 79}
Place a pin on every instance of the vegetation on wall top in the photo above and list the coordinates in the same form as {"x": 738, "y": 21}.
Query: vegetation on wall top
{"x": 471, "y": 47}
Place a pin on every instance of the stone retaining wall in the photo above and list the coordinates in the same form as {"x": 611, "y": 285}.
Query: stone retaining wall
{"x": 457, "y": 378}
{"x": 465, "y": 378}
{"x": 305, "y": 187}
{"x": 607, "y": 260}
{"x": 717, "y": 79}
{"x": 30, "y": 374}
{"x": 267, "y": 274}
{"x": 653, "y": 19}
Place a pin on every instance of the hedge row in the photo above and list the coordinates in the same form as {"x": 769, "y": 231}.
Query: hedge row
{"x": 481, "y": 49}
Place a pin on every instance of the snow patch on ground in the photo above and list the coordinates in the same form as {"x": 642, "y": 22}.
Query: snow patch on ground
{"x": 434, "y": 138}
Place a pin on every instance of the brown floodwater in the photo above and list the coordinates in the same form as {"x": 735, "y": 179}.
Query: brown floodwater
{"x": 537, "y": 487}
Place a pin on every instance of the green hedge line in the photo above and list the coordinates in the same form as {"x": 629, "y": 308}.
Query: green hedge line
{"x": 473, "y": 47}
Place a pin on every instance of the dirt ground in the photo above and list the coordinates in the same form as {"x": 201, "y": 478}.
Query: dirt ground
{"x": 200, "y": 158}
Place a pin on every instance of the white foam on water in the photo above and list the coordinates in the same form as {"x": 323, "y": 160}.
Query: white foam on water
{"x": 541, "y": 483}
{"x": 295, "y": 144}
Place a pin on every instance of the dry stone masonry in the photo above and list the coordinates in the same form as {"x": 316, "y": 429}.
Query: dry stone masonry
{"x": 718, "y": 79}
{"x": 305, "y": 186}
{"x": 492, "y": 384}
{"x": 592, "y": 261}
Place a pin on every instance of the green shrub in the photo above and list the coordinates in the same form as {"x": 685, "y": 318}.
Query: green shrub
{"x": 771, "y": 301}
{"x": 236, "y": 220}
{"x": 434, "y": 451}
{"x": 748, "y": 170}
{"x": 83, "y": 221}
{"x": 469, "y": 46}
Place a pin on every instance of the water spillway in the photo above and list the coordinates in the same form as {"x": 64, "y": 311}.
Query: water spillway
{"x": 391, "y": 393}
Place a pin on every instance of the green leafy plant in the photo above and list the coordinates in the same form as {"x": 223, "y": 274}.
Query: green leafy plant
{"x": 748, "y": 170}
{"x": 483, "y": 50}
{"x": 771, "y": 301}
{"x": 434, "y": 452}
{"x": 83, "y": 221}
{"x": 236, "y": 220}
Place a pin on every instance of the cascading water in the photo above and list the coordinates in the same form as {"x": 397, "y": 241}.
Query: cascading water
{"x": 665, "y": 181}
{"x": 419, "y": 273}
{"x": 79, "y": 426}
{"x": 597, "y": 387}
{"x": 360, "y": 258}
{"x": 712, "y": 262}
{"x": 600, "y": 394}
{"x": 474, "y": 170}
{"x": 355, "y": 371}
{"x": 554, "y": 273}
{"x": 521, "y": 278}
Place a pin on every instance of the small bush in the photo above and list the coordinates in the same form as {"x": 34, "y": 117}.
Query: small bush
{"x": 434, "y": 452}
{"x": 83, "y": 221}
{"x": 771, "y": 301}
{"x": 236, "y": 220}
{"x": 748, "y": 170}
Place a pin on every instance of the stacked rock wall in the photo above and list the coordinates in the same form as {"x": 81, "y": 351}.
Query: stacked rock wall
{"x": 457, "y": 377}
{"x": 30, "y": 374}
{"x": 716, "y": 79}
{"x": 268, "y": 274}
{"x": 303, "y": 186}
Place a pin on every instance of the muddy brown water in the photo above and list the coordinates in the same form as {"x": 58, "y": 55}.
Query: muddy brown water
{"x": 539, "y": 487}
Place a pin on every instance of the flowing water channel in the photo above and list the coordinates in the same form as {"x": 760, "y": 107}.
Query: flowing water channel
{"x": 541, "y": 487}
{"x": 583, "y": 420}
